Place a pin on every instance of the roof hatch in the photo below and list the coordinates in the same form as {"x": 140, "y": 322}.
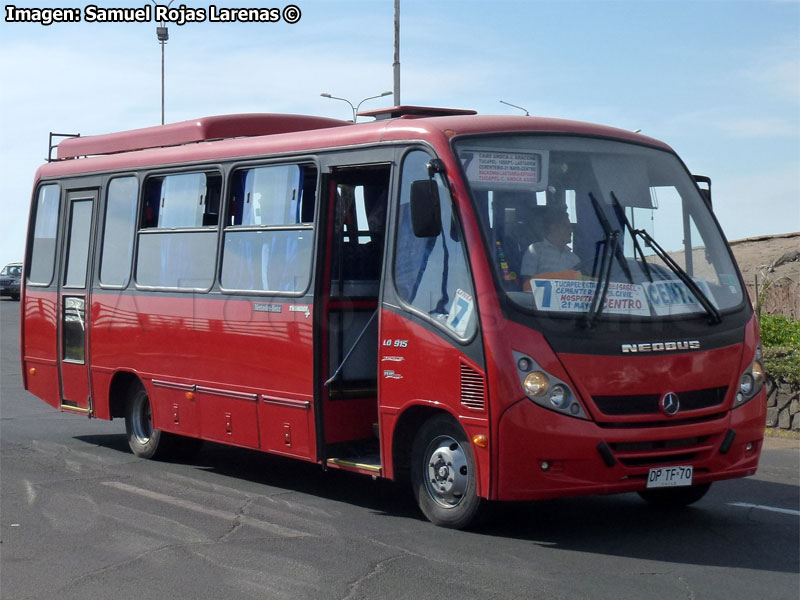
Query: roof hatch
{"x": 416, "y": 111}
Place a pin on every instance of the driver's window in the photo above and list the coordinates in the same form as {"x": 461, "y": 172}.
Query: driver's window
{"x": 431, "y": 273}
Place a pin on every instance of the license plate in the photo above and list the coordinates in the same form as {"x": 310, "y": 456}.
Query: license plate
{"x": 662, "y": 477}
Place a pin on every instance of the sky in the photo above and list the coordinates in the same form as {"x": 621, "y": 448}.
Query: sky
{"x": 718, "y": 80}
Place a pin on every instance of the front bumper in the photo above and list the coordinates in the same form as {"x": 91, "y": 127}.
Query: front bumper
{"x": 582, "y": 457}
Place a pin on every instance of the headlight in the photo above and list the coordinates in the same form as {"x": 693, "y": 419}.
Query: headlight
{"x": 559, "y": 396}
{"x": 536, "y": 384}
{"x": 746, "y": 384}
{"x": 751, "y": 381}
{"x": 545, "y": 389}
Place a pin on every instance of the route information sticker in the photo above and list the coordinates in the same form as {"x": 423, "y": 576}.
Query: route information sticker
{"x": 667, "y": 297}
{"x": 504, "y": 168}
{"x": 569, "y": 295}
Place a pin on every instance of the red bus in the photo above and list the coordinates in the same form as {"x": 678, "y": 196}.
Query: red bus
{"x": 492, "y": 307}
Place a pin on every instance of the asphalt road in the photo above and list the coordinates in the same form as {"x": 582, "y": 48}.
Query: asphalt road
{"x": 80, "y": 517}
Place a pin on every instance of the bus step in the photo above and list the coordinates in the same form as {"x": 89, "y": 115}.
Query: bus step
{"x": 369, "y": 464}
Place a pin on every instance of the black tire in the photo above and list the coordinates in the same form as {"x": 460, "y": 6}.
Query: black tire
{"x": 443, "y": 474}
{"x": 144, "y": 441}
{"x": 677, "y": 497}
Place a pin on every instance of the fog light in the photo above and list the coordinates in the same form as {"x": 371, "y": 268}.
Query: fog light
{"x": 524, "y": 364}
{"x": 746, "y": 384}
{"x": 559, "y": 396}
{"x": 536, "y": 383}
{"x": 545, "y": 466}
{"x": 749, "y": 447}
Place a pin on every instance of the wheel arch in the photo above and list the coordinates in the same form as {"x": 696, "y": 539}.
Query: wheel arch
{"x": 119, "y": 390}
{"x": 405, "y": 430}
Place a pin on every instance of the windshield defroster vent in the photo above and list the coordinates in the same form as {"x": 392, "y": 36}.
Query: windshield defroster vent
{"x": 473, "y": 392}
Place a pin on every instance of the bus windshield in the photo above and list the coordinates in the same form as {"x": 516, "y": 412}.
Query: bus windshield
{"x": 597, "y": 228}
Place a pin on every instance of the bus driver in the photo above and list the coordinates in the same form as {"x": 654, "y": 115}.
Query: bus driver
{"x": 551, "y": 254}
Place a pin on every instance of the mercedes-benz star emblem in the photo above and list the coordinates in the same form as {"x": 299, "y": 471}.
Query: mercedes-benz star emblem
{"x": 670, "y": 404}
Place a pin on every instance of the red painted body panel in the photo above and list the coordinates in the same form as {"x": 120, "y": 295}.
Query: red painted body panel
{"x": 428, "y": 374}
{"x": 576, "y": 467}
{"x": 40, "y": 336}
{"x": 221, "y": 345}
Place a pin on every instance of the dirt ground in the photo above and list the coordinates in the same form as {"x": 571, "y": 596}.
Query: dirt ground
{"x": 758, "y": 259}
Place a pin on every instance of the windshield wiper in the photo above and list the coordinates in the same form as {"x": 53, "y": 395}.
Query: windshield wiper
{"x": 705, "y": 302}
{"x": 636, "y": 247}
{"x": 610, "y": 243}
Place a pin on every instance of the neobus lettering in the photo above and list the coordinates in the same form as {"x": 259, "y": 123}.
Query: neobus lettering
{"x": 43, "y": 16}
{"x": 180, "y": 15}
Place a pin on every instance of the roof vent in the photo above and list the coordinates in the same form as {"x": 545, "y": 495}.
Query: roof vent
{"x": 394, "y": 112}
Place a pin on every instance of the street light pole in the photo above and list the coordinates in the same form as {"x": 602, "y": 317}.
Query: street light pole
{"x": 357, "y": 106}
{"x": 162, "y": 35}
{"x": 396, "y": 64}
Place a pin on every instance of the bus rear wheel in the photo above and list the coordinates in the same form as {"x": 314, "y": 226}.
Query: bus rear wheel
{"x": 143, "y": 439}
{"x": 677, "y": 497}
{"x": 443, "y": 474}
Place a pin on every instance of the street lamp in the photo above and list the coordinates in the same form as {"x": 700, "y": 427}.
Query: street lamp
{"x": 525, "y": 110}
{"x": 357, "y": 106}
{"x": 162, "y": 35}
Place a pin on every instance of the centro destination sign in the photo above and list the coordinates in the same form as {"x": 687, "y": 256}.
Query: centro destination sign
{"x": 179, "y": 15}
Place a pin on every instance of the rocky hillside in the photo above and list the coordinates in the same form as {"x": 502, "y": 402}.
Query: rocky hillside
{"x": 770, "y": 266}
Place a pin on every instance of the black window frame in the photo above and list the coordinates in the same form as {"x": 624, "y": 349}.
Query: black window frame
{"x": 32, "y": 233}
{"x": 456, "y": 217}
{"x": 141, "y": 230}
{"x": 134, "y": 237}
{"x": 311, "y": 226}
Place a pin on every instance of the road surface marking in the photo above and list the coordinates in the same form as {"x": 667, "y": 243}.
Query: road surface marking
{"x": 213, "y": 512}
{"x": 786, "y": 511}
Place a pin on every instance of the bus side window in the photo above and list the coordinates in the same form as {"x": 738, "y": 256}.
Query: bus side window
{"x": 178, "y": 231}
{"x": 119, "y": 227}
{"x": 43, "y": 252}
{"x": 431, "y": 273}
{"x": 269, "y": 234}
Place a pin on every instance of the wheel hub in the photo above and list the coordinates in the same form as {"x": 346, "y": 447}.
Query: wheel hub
{"x": 447, "y": 471}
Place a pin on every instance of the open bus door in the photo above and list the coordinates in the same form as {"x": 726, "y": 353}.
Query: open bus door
{"x": 73, "y": 302}
{"x": 349, "y": 322}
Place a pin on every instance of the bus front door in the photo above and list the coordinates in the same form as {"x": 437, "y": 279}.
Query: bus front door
{"x": 357, "y": 204}
{"x": 73, "y": 302}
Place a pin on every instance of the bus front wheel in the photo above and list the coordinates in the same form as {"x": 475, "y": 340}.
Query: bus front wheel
{"x": 144, "y": 441}
{"x": 443, "y": 474}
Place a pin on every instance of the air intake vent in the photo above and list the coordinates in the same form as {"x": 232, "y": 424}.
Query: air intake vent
{"x": 473, "y": 393}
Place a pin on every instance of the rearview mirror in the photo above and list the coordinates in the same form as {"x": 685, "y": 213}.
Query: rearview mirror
{"x": 426, "y": 217}
{"x": 704, "y": 184}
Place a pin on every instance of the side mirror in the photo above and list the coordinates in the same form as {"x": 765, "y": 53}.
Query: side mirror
{"x": 426, "y": 216}
{"x": 704, "y": 184}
